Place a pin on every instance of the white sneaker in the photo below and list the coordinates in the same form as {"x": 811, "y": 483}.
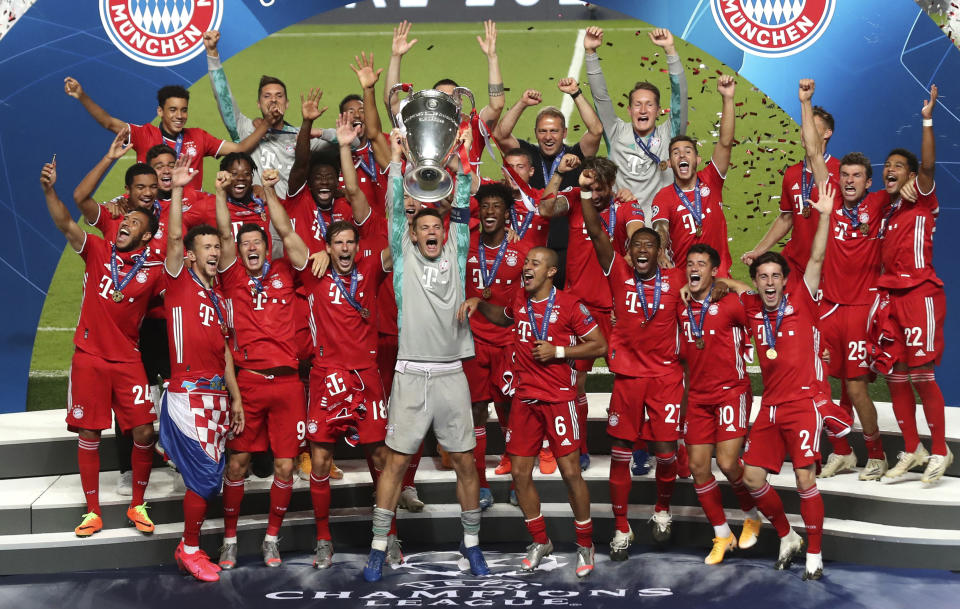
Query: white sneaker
{"x": 620, "y": 545}
{"x": 125, "y": 484}
{"x": 907, "y": 461}
{"x": 838, "y": 464}
{"x": 875, "y": 469}
{"x": 936, "y": 467}
{"x": 814, "y": 568}
{"x": 662, "y": 522}
{"x": 790, "y": 546}
{"x": 409, "y": 500}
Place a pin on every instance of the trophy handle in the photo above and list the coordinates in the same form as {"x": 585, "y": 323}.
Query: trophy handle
{"x": 394, "y": 90}
{"x": 459, "y": 93}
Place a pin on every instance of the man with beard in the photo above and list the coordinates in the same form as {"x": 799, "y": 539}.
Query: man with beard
{"x": 105, "y": 372}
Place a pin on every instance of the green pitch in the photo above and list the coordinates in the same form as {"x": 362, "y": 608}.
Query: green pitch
{"x": 532, "y": 55}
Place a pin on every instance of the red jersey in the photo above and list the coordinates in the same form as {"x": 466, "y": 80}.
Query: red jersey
{"x": 192, "y": 141}
{"x": 342, "y": 337}
{"x": 797, "y": 250}
{"x": 387, "y": 311}
{"x": 852, "y": 263}
{"x": 619, "y": 215}
{"x": 797, "y": 371}
{"x": 503, "y": 284}
{"x": 110, "y": 329}
{"x": 310, "y": 222}
{"x": 263, "y": 321}
{"x": 194, "y": 321}
{"x": 555, "y": 381}
{"x": 529, "y": 224}
{"x": 907, "y": 239}
{"x": 668, "y": 206}
{"x": 371, "y": 178}
{"x": 719, "y": 366}
{"x": 641, "y": 348}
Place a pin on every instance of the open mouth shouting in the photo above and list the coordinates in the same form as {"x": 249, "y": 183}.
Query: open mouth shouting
{"x": 431, "y": 246}
{"x": 528, "y": 277}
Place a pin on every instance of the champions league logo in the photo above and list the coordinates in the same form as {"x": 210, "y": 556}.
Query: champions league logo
{"x": 160, "y": 32}
{"x": 772, "y": 28}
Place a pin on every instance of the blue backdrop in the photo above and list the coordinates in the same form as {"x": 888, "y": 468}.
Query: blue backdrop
{"x": 873, "y": 62}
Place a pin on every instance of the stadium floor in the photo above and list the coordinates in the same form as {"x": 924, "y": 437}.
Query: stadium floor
{"x": 649, "y": 579}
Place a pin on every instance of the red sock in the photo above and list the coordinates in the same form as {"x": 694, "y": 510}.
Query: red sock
{"x": 232, "y": 498}
{"x": 840, "y": 445}
{"x": 769, "y": 504}
{"x": 88, "y": 460}
{"x": 620, "y": 486}
{"x": 480, "y": 455}
{"x": 320, "y": 497}
{"x": 194, "y": 511}
{"x": 743, "y": 494}
{"x": 933, "y": 409}
{"x": 582, "y": 412}
{"x": 280, "y": 493}
{"x": 584, "y": 532}
{"x": 141, "y": 462}
{"x": 874, "y": 445}
{"x": 711, "y": 501}
{"x": 904, "y": 408}
{"x": 811, "y": 509}
{"x": 538, "y": 529}
{"x": 412, "y": 468}
{"x": 666, "y": 478}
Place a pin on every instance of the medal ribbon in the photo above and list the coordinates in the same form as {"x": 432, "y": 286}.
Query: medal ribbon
{"x": 256, "y": 208}
{"x": 213, "y": 298}
{"x": 806, "y": 186}
{"x": 553, "y": 166}
{"x": 645, "y": 146}
{"x": 772, "y": 332}
{"x": 657, "y": 289}
{"x": 139, "y": 260}
{"x": 258, "y": 281}
{"x": 349, "y": 295}
{"x": 488, "y": 278}
{"x": 886, "y": 219}
{"x": 611, "y": 224}
{"x": 370, "y": 166}
{"x": 542, "y": 333}
{"x": 853, "y": 215}
{"x": 527, "y": 220}
{"x": 323, "y": 223}
{"x": 696, "y": 208}
{"x": 697, "y": 330}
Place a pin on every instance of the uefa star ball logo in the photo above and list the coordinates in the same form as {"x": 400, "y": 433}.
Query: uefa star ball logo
{"x": 160, "y": 32}
{"x": 772, "y": 28}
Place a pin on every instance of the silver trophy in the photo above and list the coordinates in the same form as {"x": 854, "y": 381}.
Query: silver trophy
{"x": 429, "y": 120}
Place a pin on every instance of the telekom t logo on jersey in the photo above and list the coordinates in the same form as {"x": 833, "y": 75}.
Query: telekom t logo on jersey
{"x": 772, "y": 28}
{"x": 160, "y": 32}
{"x": 207, "y": 314}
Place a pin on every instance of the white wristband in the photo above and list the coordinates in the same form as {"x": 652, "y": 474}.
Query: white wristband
{"x": 586, "y": 194}
{"x": 559, "y": 353}
{"x": 928, "y": 122}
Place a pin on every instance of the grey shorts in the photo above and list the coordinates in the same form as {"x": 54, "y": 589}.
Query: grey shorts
{"x": 421, "y": 398}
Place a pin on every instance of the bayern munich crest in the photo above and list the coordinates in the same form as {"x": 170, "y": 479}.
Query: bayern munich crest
{"x": 772, "y": 28}
{"x": 160, "y": 32}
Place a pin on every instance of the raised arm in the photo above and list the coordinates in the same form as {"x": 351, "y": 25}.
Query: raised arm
{"x": 589, "y": 141}
{"x": 678, "y": 81}
{"x": 726, "y": 85}
{"x": 228, "y": 244}
{"x": 396, "y": 215}
{"x": 373, "y": 128}
{"x": 229, "y": 111}
{"x": 310, "y": 108}
{"x": 294, "y": 248}
{"x": 598, "y": 84}
{"x": 250, "y": 143}
{"x": 182, "y": 175}
{"x": 346, "y": 132}
{"x": 490, "y": 113}
{"x": 552, "y": 203}
{"x": 818, "y": 249}
{"x": 58, "y": 211}
{"x": 782, "y": 225}
{"x": 928, "y": 151}
{"x": 503, "y": 132}
{"x": 83, "y": 193}
{"x": 812, "y": 142}
{"x": 72, "y": 88}
{"x": 602, "y": 245}
{"x": 399, "y": 48}
{"x": 460, "y": 215}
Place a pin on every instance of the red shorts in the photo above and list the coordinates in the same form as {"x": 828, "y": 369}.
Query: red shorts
{"x": 647, "y": 408}
{"x": 602, "y": 318}
{"x": 273, "y": 409}
{"x": 843, "y": 329}
{"x": 96, "y": 386}
{"x": 531, "y": 423}
{"x": 386, "y": 361}
{"x": 329, "y": 405}
{"x": 481, "y": 371}
{"x": 918, "y": 313}
{"x": 718, "y": 422}
{"x": 789, "y": 428}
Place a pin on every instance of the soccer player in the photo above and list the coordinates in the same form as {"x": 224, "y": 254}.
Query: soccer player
{"x": 275, "y": 149}
{"x": 202, "y": 401}
{"x": 690, "y": 210}
{"x": 713, "y": 341}
{"x": 260, "y": 296}
{"x": 494, "y": 267}
{"x": 373, "y": 150}
{"x": 783, "y": 314}
{"x": 620, "y": 220}
{"x": 648, "y": 379}
{"x": 172, "y": 108}
{"x": 918, "y": 304}
{"x": 525, "y": 220}
{"x": 105, "y": 372}
{"x": 851, "y": 269}
{"x": 639, "y": 148}
{"x": 550, "y": 328}
{"x": 429, "y": 387}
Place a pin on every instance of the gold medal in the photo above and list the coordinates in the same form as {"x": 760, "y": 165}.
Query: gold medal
{"x": 117, "y": 296}
{"x": 771, "y": 354}
{"x": 364, "y": 312}
{"x": 806, "y": 211}
{"x": 486, "y": 293}
{"x": 224, "y": 330}
{"x": 699, "y": 230}
{"x": 700, "y": 343}
{"x": 864, "y": 228}
{"x": 663, "y": 165}
{"x": 263, "y": 216}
